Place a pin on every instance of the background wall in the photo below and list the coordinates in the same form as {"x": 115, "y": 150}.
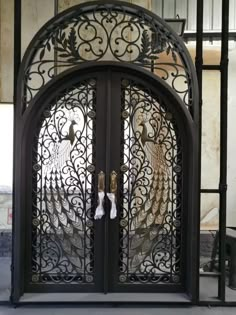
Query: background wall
{"x": 231, "y": 207}
{"x": 6, "y": 50}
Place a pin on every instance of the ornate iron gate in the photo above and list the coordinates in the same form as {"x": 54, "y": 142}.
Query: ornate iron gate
{"x": 107, "y": 150}
{"x": 109, "y": 167}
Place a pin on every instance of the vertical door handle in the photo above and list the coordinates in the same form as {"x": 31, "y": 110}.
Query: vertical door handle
{"x": 113, "y": 182}
{"x": 99, "y": 213}
{"x": 112, "y": 194}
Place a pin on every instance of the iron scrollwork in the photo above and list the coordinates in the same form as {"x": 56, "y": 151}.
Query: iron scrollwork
{"x": 110, "y": 31}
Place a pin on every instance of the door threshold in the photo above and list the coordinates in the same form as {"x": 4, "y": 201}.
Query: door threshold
{"x": 84, "y": 298}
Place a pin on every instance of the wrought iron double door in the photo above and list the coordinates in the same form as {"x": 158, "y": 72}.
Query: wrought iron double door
{"x": 105, "y": 176}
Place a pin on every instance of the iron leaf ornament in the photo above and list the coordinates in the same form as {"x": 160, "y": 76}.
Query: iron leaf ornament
{"x": 105, "y": 32}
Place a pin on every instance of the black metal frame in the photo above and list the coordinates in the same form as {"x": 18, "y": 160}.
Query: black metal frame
{"x": 222, "y": 188}
{"x": 188, "y": 134}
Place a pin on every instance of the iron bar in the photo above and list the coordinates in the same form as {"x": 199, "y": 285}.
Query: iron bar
{"x": 17, "y": 43}
{"x": 15, "y": 290}
{"x": 209, "y": 274}
{"x": 6, "y": 103}
{"x": 187, "y": 15}
{"x": 56, "y": 11}
{"x": 198, "y": 64}
{"x": 212, "y": 14}
{"x": 211, "y": 67}
{"x": 223, "y": 146}
{"x": 208, "y": 35}
{"x": 108, "y": 145}
{"x": 210, "y": 191}
{"x": 56, "y": 8}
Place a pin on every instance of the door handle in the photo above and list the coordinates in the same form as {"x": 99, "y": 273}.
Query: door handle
{"x": 99, "y": 213}
{"x": 101, "y": 181}
{"x": 113, "y": 182}
{"x": 112, "y": 194}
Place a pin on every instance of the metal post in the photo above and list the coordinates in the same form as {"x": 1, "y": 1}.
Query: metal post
{"x": 223, "y": 145}
{"x": 56, "y": 11}
{"x": 15, "y": 290}
{"x": 17, "y": 43}
{"x": 198, "y": 64}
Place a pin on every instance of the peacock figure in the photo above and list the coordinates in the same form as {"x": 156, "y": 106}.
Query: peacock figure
{"x": 61, "y": 182}
{"x": 149, "y": 217}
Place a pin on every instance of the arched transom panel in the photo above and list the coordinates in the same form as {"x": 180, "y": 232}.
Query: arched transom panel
{"x": 114, "y": 31}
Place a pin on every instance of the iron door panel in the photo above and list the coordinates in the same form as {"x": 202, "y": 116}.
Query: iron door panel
{"x": 146, "y": 240}
{"x": 64, "y": 242}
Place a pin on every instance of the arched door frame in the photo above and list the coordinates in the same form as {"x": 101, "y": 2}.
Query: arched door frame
{"x": 27, "y": 122}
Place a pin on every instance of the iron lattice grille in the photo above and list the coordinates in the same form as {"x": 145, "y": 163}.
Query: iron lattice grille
{"x": 151, "y": 190}
{"x": 63, "y": 189}
{"x": 108, "y": 32}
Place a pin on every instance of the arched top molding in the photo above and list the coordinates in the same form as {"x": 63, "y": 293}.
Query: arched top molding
{"x": 107, "y": 31}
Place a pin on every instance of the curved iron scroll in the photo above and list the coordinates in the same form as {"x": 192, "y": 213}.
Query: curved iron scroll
{"x": 111, "y": 30}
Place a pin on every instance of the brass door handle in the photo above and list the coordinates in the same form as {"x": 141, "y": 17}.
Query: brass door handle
{"x": 101, "y": 181}
{"x": 113, "y": 182}
{"x": 112, "y": 194}
{"x": 99, "y": 213}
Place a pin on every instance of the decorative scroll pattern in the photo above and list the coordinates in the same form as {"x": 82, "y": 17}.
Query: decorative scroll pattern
{"x": 108, "y": 32}
{"x": 63, "y": 189}
{"x": 151, "y": 195}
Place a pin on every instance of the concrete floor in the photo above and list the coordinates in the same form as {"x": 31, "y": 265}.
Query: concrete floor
{"x": 118, "y": 311}
{"x": 208, "y": 291}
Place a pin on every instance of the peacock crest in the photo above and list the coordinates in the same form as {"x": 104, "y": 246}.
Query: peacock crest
{"x": 62, "y": 147}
